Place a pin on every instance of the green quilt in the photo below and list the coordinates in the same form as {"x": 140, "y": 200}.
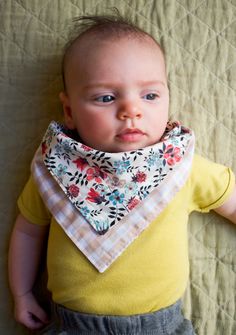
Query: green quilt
{"x": 199, "y": 38}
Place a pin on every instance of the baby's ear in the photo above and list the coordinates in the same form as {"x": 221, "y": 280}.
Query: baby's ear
{"x": 69, "y": 122}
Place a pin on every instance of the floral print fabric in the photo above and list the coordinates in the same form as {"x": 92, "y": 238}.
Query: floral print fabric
{"x": 105, "y": 187}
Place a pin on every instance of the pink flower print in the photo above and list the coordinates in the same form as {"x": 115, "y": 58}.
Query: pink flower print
{"x": 94, "y": 196}
{"x": 44, "y": 147}
{"x": 85, "y": 147}
{"x": 133, "y": 202}
{"x": 140, "y": 177}
{"x": 81, "y": 163}
{"x": 73, "y": 190}
{"x": 171, "y": 155}
{"x": 95, "y": 173}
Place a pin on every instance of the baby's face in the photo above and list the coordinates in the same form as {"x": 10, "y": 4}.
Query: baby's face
{"x": 117, "y": 96}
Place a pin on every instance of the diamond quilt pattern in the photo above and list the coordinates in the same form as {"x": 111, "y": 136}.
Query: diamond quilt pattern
{"x": 199, "y": 38}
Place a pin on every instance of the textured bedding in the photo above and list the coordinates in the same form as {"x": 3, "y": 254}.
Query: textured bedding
{"x": 199, "y": 38}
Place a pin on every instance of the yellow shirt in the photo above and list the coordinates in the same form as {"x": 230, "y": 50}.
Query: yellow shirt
{"x": 152, "y": 273}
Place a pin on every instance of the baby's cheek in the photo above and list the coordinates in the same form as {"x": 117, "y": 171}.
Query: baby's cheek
{"x": 103, "y": 124}
{"x": 158, "y": 127}
{"x": 99, "y": 130}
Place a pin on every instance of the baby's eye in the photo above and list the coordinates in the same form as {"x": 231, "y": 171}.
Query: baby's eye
{"x": 151, "y": 96}
{"x": 105, "y": 98}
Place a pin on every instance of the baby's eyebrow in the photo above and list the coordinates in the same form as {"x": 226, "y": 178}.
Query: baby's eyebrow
{"x": 114, "y": 84}
{"x": 98, "y": 85}
{"x": 151, "y": 82}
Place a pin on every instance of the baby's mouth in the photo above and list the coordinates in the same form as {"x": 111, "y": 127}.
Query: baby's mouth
{"x": 130, "y": 135}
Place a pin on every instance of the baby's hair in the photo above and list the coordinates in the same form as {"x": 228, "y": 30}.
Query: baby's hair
{"x": 105, "y": 26}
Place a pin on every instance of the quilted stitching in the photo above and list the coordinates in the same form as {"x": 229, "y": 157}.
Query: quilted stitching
{"x": 200, "y": 43}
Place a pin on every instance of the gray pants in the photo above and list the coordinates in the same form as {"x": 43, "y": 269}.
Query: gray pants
{"x": 168, "y": 321}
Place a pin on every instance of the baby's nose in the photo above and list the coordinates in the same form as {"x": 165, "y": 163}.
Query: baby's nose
{"x": 129, "y": 110}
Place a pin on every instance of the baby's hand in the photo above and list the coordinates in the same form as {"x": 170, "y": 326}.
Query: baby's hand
{"x": 29, "y": 313}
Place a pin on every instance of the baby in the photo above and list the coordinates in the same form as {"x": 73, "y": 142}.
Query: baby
{"x": 112, "y": 190}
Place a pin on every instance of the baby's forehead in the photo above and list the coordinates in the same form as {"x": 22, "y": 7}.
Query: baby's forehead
{"x": 88, "y": 42}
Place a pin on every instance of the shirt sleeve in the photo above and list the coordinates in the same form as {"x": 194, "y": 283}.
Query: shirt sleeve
{"x": 211, "y": 184}
{"x": 32, "y": 206}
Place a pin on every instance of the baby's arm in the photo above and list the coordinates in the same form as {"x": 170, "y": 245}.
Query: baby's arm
{"x": 228, "y": 209}
{"x": 25, "y": 251}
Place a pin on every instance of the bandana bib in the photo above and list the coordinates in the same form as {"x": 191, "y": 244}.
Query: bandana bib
{"x": 109, "y": 197}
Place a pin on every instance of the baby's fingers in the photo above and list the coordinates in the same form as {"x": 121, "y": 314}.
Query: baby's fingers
{"x": 40, "y": 314}
{"x": 33, "y": 320}
{"x": 37, "y": 318}
{"x": 29, "y": 312}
